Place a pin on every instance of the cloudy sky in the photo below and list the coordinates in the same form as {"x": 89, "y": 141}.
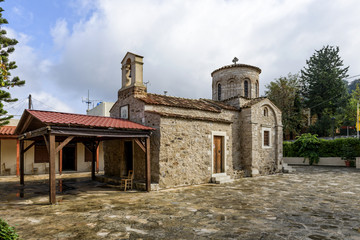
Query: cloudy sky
{"x": 68, "y": 47}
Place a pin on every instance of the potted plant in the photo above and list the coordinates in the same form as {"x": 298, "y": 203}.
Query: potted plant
{"x": 348, "y": 155}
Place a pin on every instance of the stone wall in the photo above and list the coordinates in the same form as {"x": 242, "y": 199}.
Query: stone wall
{"x": 186, "y": 151}
{"x": 112, "y": 157}
{"x": 266, "y": 159}
{"x": 246, "y": 143}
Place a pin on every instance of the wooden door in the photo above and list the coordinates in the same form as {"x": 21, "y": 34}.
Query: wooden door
{"x": 218, "y": 154}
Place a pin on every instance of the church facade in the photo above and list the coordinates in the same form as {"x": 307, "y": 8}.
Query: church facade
{"x": 235, "y": 133}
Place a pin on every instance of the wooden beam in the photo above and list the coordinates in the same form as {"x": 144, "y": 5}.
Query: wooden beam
{"x": 60, "y": 161}
{"x": 22, "y": 162}
{"x": 52, "y": 177}
{"x": 35, "y": 133}
{"x": 63, "y": 144}
{"x": 147, "y": 165}
{"x": 17, "y": 157}
{"x": 140, "y": 144}
{"x": 97, "y": 157}
{"x": 28, "y": 147}
{"x": 46, "y": 143}
{"x": 26, "y": 124}
{"x": 93, "y": 160}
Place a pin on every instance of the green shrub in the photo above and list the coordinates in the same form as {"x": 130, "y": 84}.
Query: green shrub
{"x": 341, "y": 147}
{"x": 308, "y": 147}
{"x": 7, "y": 232}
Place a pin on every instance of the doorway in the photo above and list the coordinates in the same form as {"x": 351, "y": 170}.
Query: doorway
{"x": 128, "y": 158}
{"x": 69, "y": 157}
{"x": 218, "y": 164}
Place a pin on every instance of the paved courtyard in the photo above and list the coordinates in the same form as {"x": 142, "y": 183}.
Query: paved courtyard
{"x": 313, "y": 203}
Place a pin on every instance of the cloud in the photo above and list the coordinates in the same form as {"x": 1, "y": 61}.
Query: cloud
{"x": 60, "y": 33}
{"x": 183, "y": 41}
{"x": 37, "y": 76}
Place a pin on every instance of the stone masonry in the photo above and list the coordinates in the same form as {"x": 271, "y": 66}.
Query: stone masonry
{"x": 182, "y": 146}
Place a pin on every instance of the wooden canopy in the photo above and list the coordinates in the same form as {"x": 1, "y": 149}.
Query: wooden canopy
{"x": 53, "y": 127}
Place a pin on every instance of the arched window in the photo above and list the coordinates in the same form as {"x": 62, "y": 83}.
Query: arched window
{"x": 219, "y": 91}
{"x": 266, "y": 112}
{"x": 246, "y": 88}
{"x": 257, "y": 89}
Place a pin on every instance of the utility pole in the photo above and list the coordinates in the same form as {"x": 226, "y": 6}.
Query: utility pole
{"x": 30, "y": 102}
{"x": 357, "y": 119}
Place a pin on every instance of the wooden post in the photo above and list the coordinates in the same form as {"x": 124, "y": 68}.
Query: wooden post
{"x": 147, "y": 164}
{"x": 17, "y": 157}
{"x": 22, "y": 162}
{"x": 97, "y": 158}
{"x": 93, "y": 160}
{"x": 52, "y": 178}
{"x": 60, "y": 162}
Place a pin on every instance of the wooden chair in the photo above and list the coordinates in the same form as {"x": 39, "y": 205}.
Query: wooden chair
{"x": 126, "y": 182}
{"x": 34, "y": 170}
{"x": 6, "y": 171}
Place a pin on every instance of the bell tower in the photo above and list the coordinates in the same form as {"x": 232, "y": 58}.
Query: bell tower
{"x": 132, "y": 71}
{"x": 132, "y": 76}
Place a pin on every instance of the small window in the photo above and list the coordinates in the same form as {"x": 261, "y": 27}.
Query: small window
{"x": 266, "y": 138}
{"x": 219, "y": 91}
{"x": 266, "y": 112}
{"x": 41, "y": 153}
{"x": 246, "y": 88}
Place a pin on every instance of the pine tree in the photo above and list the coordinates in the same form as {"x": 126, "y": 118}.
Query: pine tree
{"x": 6, "y": 81}
{"x": 323, "y": 86}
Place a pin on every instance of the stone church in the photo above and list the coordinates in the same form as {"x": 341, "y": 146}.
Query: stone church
{"x": 235, "y": 133}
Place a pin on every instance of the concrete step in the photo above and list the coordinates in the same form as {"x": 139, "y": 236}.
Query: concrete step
{"x": 221, "y": 179}
{"x": 287, "y": 169}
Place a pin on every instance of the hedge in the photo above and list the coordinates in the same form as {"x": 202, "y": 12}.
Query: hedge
{"x": 328, "y": 148}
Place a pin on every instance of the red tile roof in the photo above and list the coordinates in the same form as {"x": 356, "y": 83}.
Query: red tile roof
{"x": 253, "y": 101}
{"x": 7, "y": 130}
{"x": 81, "y": 120}
{"x": 197, "y": 104}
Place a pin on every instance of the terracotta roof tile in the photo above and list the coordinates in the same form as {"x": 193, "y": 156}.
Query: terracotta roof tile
{"x": 81, "y": 120}
{"x": 253, "y": 101}
{"x": 206, "y": 119}
{"x": 7, "y": 130}
{"x": 197, "y": 104}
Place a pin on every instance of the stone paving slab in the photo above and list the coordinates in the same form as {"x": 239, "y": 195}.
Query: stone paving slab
{"x": 312, "y": 203}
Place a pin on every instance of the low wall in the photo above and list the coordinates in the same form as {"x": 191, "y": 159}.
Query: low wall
{"x": 328, "y": 161}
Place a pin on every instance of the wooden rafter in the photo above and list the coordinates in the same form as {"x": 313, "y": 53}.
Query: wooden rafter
{"x": 140, "y": 144}
{"x": 63, "y": 144}
{"x": 46, "y": 143}
{"x": 28, "y": 147}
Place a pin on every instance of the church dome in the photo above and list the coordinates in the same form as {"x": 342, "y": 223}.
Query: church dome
{"x": 236, "y": 80}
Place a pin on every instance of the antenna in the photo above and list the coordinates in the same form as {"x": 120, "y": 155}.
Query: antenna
{"x": 89, "y": 102}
